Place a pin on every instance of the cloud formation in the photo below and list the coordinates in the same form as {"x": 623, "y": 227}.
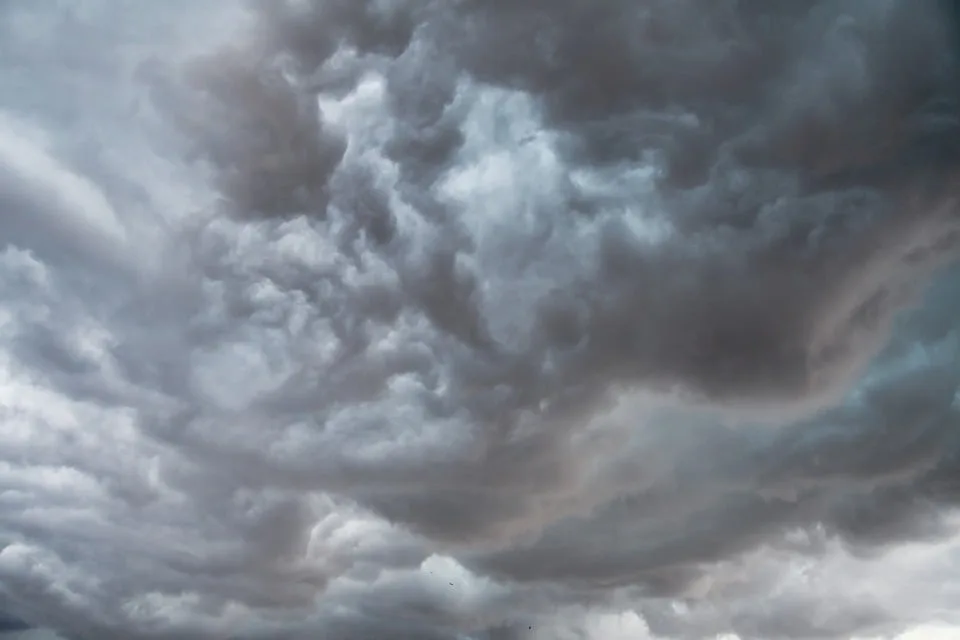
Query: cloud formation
{"x": 477, "y": 319}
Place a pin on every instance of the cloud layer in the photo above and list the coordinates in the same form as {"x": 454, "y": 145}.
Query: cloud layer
{"x": 476, "y": 319}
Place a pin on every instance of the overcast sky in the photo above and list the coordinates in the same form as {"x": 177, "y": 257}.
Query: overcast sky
{"x": 480, "y": 319}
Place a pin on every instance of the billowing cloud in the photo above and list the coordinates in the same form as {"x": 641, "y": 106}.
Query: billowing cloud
{"x": 476, "y": 319}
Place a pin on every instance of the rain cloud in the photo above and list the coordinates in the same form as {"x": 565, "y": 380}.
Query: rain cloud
{"x": 480, "y": 319}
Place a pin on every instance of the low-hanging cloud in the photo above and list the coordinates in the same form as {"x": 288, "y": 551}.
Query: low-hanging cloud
{"x": 479, "y": 319}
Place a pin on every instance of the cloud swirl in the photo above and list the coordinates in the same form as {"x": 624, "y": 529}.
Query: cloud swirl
{"x": 477, "y": 319}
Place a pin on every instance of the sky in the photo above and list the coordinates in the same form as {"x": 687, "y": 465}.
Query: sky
{"x": 479, "y": 319}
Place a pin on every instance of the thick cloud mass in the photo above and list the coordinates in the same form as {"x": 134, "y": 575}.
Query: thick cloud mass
{"x": 480, "y": 319}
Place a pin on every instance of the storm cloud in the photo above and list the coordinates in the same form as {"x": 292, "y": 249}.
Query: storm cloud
{"x": 477, "y": 319}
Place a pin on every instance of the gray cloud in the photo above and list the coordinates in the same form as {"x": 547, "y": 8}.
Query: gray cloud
{"x": 487, "y": 320}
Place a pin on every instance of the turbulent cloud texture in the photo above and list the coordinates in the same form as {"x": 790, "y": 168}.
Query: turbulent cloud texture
{"x": 480, "y": 319}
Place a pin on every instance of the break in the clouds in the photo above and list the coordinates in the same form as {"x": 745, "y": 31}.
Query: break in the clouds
{"x": 480, "y": 319}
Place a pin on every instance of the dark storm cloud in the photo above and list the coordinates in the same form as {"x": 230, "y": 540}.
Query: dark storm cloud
{"x": 824, "y": 196}
{"x": 9, "y": 623}
{"x": 480, "y": 319}
{"x": 824, "y": 135}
